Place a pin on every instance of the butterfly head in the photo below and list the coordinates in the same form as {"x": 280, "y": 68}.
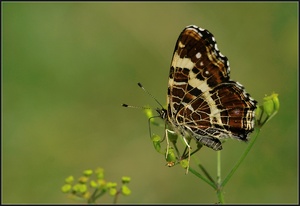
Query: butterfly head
{"x": 162, "y": 113}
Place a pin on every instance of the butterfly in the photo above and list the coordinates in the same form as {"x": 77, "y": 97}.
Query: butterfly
{"x": 202, "y": 101}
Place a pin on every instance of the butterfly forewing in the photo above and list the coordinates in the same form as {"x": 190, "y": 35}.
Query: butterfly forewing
{"x": 202, "y": 100}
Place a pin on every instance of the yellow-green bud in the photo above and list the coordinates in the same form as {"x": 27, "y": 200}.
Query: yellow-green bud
{"x": 69, "y": 179}
{"x": 184, "y": 163}
{"x": 101, "y": 182}
{"x": 271, "y": 104}
{"x": 66, "y": 188}
{"x": 111, "y": 185}
{"x": 112, "y": 191}
{"x": 80, "y": 188}
{"x": 99, "y": 173}
{"x": 171, "y": 157}
{"x": 93, "y": 184}
{"x": 125, "y": 190}
{"x": 149, "y": 114}
{"x": 87, "y": 173}
{"x": 125, "y": 179}
{"x": 258, "y": 112}
{"x": 83, "y": 179}
{"x": 156, "y": 142}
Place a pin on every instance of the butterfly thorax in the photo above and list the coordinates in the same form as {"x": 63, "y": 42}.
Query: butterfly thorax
{"x": 177, "y": 128}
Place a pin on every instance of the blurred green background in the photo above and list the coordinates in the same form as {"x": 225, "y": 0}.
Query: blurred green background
{"x": 68, "y": 67}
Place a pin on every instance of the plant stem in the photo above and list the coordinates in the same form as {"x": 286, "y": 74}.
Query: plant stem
{"x": 220, "y": 195}
{"x": 241, "y": 159}
{"x": 116, "y": 196}
{"x": 201, "y": 177}
{"x": 207, "y": 174}
{"x": 219, "y": 167}
{"x": 219, "y": 186}
{"x": 93, "y": 200}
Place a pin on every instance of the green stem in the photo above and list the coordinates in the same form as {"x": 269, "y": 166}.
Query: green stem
{"x": 201, "y": 177}
{"x": 219, "y": 167}
{"x": 176, "y": 149}
{"x": 220, "y": 196}
{"x": 116, "y": 196}
{"x": 207, "y": 174}
{"x": 95, "y": 197}
{"x": 241, "y": 159}
{"x": 92, "y": 198}
{"x": 219, "y": 186}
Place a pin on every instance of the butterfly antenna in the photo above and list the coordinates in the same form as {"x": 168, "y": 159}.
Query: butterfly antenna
{"x": 140, "y": 85}
{"x": 135, "y": 107}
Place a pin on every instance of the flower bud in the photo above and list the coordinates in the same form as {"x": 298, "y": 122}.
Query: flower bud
{"x": 66, "y": 188}
{"x": 125, "y": 190}
{"x": 171, "y": 157}
{"x": 112, "y": 191}
{"x": 271, "y": 104}
{"x": 125, "y": 179}
{"x": 69, "y": 179}
{"x": 184, "y": 163}
{"x": 99, "y": 173}
{"x": 156, "y": 142}
{"x": 93, "y": 184}
{"x": 87, "y": 173}
{"x": 149, "y": 114}
{"x": 83, "y": 179}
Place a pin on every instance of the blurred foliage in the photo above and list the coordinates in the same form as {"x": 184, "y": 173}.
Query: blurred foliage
{"x": 90, "y": 190}
{"x": 68, "y": 66}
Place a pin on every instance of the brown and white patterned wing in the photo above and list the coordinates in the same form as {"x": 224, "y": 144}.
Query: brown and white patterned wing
{"x": 196, "y": 64}
{"x": 202, "y": 100}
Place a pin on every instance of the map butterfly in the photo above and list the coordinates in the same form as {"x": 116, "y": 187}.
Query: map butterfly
{"x": 202, "y": 100}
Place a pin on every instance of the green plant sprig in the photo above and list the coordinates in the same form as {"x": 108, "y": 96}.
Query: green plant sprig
{"x": 90, "y": 190}
{"x": 264, "y": 113}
